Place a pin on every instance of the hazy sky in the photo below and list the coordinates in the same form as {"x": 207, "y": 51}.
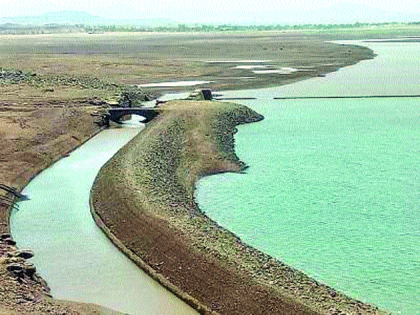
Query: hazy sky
{"x": 229, "y": 11}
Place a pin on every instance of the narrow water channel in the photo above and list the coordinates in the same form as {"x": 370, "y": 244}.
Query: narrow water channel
{"x": 71, "y": 252}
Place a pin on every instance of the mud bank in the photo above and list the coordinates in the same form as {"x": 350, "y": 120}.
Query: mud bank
{"x": 34, "y": 138}
{"x": 144, "y": 198}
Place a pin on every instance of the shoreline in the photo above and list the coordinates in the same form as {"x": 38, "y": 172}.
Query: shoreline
{"x": 40, "y": 170}
{"x": 61, "y": 142}
{"x": 28, "y": 293}
{"x": 199, "y": 307}
{"x": 285, "y": 289}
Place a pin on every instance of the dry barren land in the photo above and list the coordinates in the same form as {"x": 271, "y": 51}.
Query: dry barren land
{"x": 51, "y": 84}
{"x": 138, "y": 58}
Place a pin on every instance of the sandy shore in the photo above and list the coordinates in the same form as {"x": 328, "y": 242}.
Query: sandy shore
{"x": 145, "y": 198}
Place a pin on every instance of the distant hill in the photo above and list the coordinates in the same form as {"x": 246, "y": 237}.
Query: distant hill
{"x": 77, "y": 18}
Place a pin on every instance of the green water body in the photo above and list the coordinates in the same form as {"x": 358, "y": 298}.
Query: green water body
{"x": 333, "y": 187}
{"x": 72, "y": 254}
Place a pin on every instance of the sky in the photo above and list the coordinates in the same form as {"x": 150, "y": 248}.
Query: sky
{"x": 229, "y": 11}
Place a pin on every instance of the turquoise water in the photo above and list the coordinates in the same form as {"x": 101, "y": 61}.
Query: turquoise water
{"x": 333, "y": 187}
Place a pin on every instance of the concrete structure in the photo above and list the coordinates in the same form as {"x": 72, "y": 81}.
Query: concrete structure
{"x": 115, "y": 114}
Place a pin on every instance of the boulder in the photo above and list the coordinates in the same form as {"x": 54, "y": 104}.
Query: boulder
{"x": 96, "y": 102}
{"x": 5, "y": 236}
{"x": 14, "y": 267}
{"x": 20, "y": 270}
{"x": 29, "y": 269}
{"x": 201, "y": 95}
{"x": 9, "y": 241}
{"x": 24, "y": 253}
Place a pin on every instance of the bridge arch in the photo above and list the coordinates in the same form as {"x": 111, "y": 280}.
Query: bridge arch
{"x": 115, "y": 114}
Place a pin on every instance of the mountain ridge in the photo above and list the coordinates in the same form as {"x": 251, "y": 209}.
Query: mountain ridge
{"x": 79, "y": 18}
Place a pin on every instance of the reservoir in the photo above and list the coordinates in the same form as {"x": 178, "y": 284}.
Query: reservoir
{"x": 333, "y": 189}
{"x": 72, "y": 254}
{"x": 333, "y": 186}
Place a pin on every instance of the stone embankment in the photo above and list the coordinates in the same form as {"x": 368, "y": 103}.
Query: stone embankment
{"x": 145, "y": 198}
{"x": 22, "y": 290}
